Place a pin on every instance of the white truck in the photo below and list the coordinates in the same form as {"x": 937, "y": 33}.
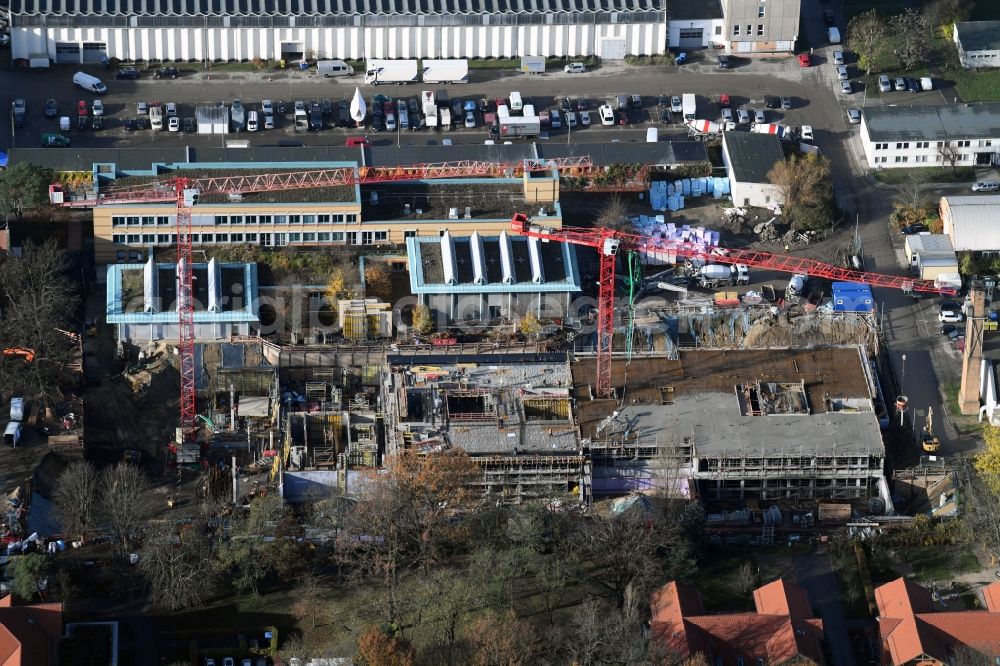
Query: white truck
{"x": 390, "y": 71}
{"x": 714, "y": 275}
{"x": 428, "y": 104}
{"x": 446, "y": 71}
{"x": 689, "y": 106}
{"x": 533, "y": 64}
{"x": 301, "y": 120}
{"x": 518, "y": 126}
{"x": 704, "y": 128}
{"x": 777, "y": 130}
{"x": 445, "y": 115}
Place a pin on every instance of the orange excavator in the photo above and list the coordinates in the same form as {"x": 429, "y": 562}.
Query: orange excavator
{"x": 27, "y": 354}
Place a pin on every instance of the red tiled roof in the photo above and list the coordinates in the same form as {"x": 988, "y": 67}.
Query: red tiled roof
{"x": 780, "y": 630}
{"x": 991, "y": 593}
{"x": 27, "y": 633}
{"x": 910, "y": 629}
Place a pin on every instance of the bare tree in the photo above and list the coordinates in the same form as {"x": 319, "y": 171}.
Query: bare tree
{"x": 614, "y": 215}
{"x": 746, "y": 578}
{"x": 949, "y": 154}
{"x": 178, "y": 567}
{"x": 965, "y": 655}
{"x": 123, "y": 503}
{"x": 945, "y": 13}
{"x": 310, "y": 600}
{"x": 502, "y": 640}
{"x": 911, "y": 190}
{"x": 245, "y": 556}
{"x": 38, "y": 300}
{"x": 914, "y": 31}
{"x": 866, "y": 35}
{"x": 75, "y": 498}
{"x": 983, "y": 511}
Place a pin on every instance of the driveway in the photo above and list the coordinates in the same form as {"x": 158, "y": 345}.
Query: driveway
{"x": 814, "y": 574}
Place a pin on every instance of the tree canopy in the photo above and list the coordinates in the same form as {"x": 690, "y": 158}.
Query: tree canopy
{"x": 24, "y": 187}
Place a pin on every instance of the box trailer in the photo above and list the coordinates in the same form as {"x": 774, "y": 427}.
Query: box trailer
{"x": 519, "y": 126}
{"x": 445, "y": 117}
{"x": 390, "y": 71}
{"x": 446, "y": 71}
{"x": 533, "y": 64}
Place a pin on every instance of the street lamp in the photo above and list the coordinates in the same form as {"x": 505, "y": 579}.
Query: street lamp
{"x": 902, "y": 382}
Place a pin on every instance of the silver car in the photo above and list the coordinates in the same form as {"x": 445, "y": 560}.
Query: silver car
{"x": 846, "y": 87}
{"x": 900, "y": 83}
{"x": 758, "y": 116}
{"x": 742, "y": 116}
{"x": 676, "y": 106}
{"x": 842, "y": 73}
{"x": 727, "y": 114}
{"x": 853, "y": 116}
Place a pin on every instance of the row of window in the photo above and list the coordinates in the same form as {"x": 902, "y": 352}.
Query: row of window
{"x": 266, "y": 239}
{"x": 905, "y": 145}
{"x": 919, "y": 159}
{"x": 749, "y": 32}
{"x": 228, "y": 220}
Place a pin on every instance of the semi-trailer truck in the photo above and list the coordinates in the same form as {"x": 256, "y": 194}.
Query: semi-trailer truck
{"x": 446, "y": 71}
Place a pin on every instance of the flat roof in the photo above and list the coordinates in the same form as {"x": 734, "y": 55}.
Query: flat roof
{"x": 705, "y": 407}
{"x": 486, "y": 199}
{"x": 688, "y": 10}
{"x": 926, "y": 244}
{"x": 932, "y": 122}
{"x": 979, "y": 35}
{"x": 752, "y": 155}
{"x": 505, "y": 266}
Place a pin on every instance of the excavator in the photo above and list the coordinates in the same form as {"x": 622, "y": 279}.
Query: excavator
{"x": 27, "y": 354}
{"x": 929, "y": 442}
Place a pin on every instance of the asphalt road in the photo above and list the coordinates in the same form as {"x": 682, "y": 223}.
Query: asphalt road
{"x": 814, "y": 574}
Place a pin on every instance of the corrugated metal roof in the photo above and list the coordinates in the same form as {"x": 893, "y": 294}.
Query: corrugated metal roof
{"x": 925, "y": 244}
{"x": 979, "y": 35}
{"x": 973, "y": 223}
{"x": 932, "y": 123}
{"x": 321, "y": 8}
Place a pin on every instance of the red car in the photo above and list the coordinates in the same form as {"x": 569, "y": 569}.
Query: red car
{"x": 804, "y": 60}
{"x": 81, "y": 108}
{"x": 622, "y": 116}
{"x": 500, "y": 101}
{"x": 724, "y": 101}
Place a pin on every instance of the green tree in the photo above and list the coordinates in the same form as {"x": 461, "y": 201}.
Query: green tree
{"x": 987, "y": 461}
{"x": 866, "y": 35}
{"x": 423, "y": 320}
{"x": 244, "y": 557}
{"x": 24, "y": 187}
{"x": 29, "y": 572}
{"x": 37, "y": 299}
{"x": 806, "y": 190}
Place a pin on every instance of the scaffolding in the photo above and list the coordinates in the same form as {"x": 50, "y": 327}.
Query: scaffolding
{"x": 514, "y": 479}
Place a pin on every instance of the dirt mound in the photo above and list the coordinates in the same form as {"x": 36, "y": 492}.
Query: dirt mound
{"x": 807, "y": 330}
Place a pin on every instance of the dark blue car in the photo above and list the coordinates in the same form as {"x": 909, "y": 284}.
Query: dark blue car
{"x": 912, "y": 85}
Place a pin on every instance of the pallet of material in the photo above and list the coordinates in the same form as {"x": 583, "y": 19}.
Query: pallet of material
{"x": 66, "y": 442}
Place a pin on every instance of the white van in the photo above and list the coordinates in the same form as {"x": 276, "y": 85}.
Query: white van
{"x": 834, "y": 35}
{"x": 17, "y": 409}
{"x": 503, "y": 111}
{"x": 89, "y": 83}
{"x": 155, "y": 118}
{"x": 515, "y": 101}
{"x": 652, "y": 135}
{"x": 12, "y": 435}
{"x": 330, "y": 68}
{"x": 529, "y": 110}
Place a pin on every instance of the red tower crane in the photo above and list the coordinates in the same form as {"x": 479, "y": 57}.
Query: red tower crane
{"x": 608, "y": 242}
{"x": 185, "y": 191}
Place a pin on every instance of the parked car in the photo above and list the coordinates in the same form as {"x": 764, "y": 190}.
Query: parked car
{"x": 884, "y": 83}
{"x": 555, "y": 119}
{"x": 166, "y": 73}
{"x": 585, "y": 118}
{"x": 470, "y": 119}
{"x": 842, "y": 73}
{"x": 267, "y": 107}
{"x": 838, "y": 57}
{"x": 913, "y": 229}
{"x": 676, "y": 104}
{"x": 97, "y": 122}
{"x": 575, "y": 68}
{"x": 173, "y": 124}
{"x": 622, "y": 115}
{"x": 828, "y": 17}
{"x": 854, "y": 116}
{"x": 18, "y": 109}
{"x": 281, "y": 106}
{"x": 97, "y": 107}
{"x": 986, "y": 186}
{"x": 662, "y": 102}
{"x": 759, "y": 117}
{"x": 846, "y": 88}
{"x": 950, "y": 315}
{"x": 771, "y": 102}
{"x": 723, "y": 61}
{"x": 571, "y": 119}
{"x": 51, "y": 108}
{"x": 128, "y": 74}
{"x": 327, "y": 106}
{"x": 188, "y": 124}
{"x": 742, "y": 116}
{"x": 129, "y": 124}
{"x": 141, "y": 109}
{"x": 786, "y": 103}
{"x": 82, "y": 109}
{"x": 913, "y": 85}
{"x": 806, "y": 133}
{"x": 804, "y": 60}
{"x": 607, "y": 115}
{"x": 899, "y": 83}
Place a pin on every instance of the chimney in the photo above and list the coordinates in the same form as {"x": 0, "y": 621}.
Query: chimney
{"x": 972, "y": 360}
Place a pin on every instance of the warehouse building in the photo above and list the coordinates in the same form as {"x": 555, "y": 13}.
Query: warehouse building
{"x": 748, "y": 158}
{"x": 978, "y": 43}
{"x": 949, "y": 136}
{"x": 87, "y": 31}
{"x": 931, "y": 255}
{"x": 971, "y": 222}
{"x": 754, "y": 26}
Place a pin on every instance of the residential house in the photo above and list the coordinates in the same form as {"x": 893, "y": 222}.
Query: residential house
{"x": 783, "y": 627}
{"x": 29, "y": 634}
{"x": 949, "y": 136}
{"x": 913, "y": 633}
{"x": 748, "y": 158}
{"x": 978, "y": 43}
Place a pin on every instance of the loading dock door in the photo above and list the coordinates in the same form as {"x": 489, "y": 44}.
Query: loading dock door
{"x": 95, "y": 51}
{"x": 691, "y": 38}
{"x": 612, "y": 48}
{"x": 292, "y": 51}
{"x": 67, "y": 53}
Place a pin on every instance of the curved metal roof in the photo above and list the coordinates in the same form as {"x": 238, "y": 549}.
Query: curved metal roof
{"x": 320, "y": 7}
